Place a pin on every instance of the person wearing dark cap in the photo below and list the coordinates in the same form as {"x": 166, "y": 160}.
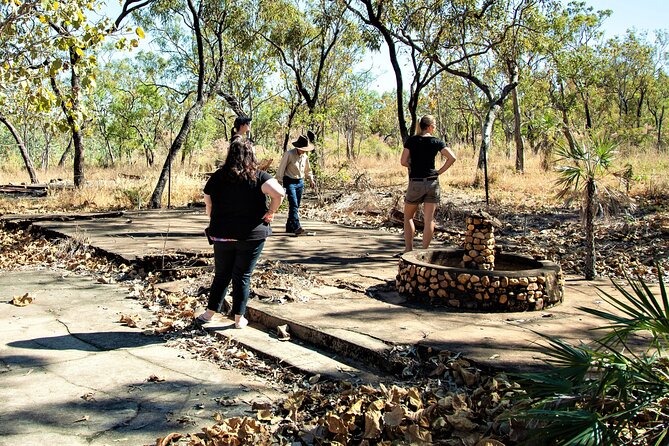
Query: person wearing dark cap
{"x": 293, "y": 169}
{"x": 241, "y": 127}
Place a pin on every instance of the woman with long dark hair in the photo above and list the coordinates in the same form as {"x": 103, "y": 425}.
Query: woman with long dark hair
{"x": 241, "y": 127}
{"x": 239, "y": 223}
{"x": 418, "y": 156}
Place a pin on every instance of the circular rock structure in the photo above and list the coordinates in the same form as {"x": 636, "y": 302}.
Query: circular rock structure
{"x": 517, "y": 283}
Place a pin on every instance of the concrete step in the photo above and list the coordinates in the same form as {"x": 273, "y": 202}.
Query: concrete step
{"x": 293, "y": 353}
{"x": 342, "y": 342}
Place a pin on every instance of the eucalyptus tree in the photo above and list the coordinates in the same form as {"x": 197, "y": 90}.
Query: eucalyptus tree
{"x": 574, "y": 62}
{"x": 657, "y": 102}
{"x": 197, "y": 37}
{"x": 132, "y": 112}
{"x": 304, "y": 42}
{"x": 657, "y": 99}
{"x": 387, "y": 19}
{"x": 466, "y": 40}
{"x": 48, "y": 56}
{"x": 627, "y": 75}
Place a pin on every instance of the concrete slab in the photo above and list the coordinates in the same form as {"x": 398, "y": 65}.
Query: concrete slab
{"x": 353, "y": 263}
{"x": 71, "y": 374}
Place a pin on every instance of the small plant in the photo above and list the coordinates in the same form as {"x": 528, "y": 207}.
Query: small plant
{"x": 135, "y": 195}
{"x": 613, "y": 393}
{"x": 581, "y": 169}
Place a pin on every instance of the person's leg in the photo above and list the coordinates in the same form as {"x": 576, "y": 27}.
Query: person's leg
{"x": 247, "y": 255}
{"x": 291, "y": 195}
{"x": 428, "y": 219}
{"x": 432, "y": 198}
{"x": 409, "y": 227}
{"x": 299, "y": 189}
{"x": 223, "y": 263}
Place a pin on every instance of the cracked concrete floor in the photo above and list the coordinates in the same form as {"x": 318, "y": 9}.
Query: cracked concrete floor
{"x": 71, "y": 374}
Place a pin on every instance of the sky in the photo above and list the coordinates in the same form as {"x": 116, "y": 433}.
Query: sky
{"x": 640, "y": 15}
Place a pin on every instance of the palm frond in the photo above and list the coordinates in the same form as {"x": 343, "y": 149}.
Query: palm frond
{"x": 640, "y": 309}
{"x": 573, "y": 362}
{"x": 568, "y": 428}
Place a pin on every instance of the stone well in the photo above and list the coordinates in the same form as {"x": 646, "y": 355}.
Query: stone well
{"x": 480, "y": 277}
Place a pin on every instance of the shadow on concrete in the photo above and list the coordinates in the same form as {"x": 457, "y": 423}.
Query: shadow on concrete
{"x": 144, "y": 409}
{"x": 26, "y": 361}
{"x": 95, "y": 341}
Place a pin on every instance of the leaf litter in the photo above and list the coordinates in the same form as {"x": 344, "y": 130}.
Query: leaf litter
{"x": 434, "y": 399}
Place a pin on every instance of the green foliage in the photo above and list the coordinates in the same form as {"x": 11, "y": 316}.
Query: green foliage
{"x": 137, "y": 197}
{"x": 587, "y": 161}
{"x": 614, "y": 393}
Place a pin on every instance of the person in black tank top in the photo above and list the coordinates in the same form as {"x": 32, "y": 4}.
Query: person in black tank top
{"x": 418, "y": 157}
{"x": 239, "y": 223}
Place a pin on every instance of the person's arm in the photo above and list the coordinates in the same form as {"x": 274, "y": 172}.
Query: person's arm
{"x": 405, "y": 159}
{"x": 282, "y": 166}
{"x": 207, "y": 203}
{"x": 273, "y": 189}
{"x": 450, "y": 159}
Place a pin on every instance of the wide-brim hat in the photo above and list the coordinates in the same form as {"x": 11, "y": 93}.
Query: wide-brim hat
{"x": 303, "y": 144}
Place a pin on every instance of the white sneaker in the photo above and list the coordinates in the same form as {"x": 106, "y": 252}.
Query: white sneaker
{"x": 243, "y": 322}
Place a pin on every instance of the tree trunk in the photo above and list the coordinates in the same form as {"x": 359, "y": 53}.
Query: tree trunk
{"x": 659, "y": 129}
{"x": 78, "y": 140}
{"x": 150, "y": 158}
{"x": 63, "y": 157}
{"x": 639, "y": 108}
{"x": 22, "y": 148}
{"x": 567, "y": 131}
{"x": 588, "y": 117}
{"x": 191, "y": 116}
{"x": 589, "y": 267}
{"x": 486, "y": 133}
{"x": 520, "y": 149}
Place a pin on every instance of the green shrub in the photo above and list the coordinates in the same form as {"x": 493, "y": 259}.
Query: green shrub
{"x": 614, "y": 392}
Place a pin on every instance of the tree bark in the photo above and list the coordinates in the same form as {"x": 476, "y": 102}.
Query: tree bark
{"x": 23, "y": 149}
{"x": 520, "y": 148}
{"x": 373, "y": 18}
{"x": 486, "y": 131}
{"x": 66, "y": 152}
{"x": 567, "y": 130}
{"x": 191, "y": 116}
{"x": 590, "y": 267}
{"x": 659, "y": 128}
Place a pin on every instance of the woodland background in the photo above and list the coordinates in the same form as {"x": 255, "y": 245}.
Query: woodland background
{"x": 83, "y": 91}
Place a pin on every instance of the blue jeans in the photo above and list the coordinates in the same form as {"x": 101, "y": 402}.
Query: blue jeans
{"x": 294, "y": 189}
{"x": 233, "y": 261}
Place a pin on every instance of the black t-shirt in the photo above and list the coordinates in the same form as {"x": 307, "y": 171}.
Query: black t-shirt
{"x": 237, "y": 207}
{"x": 423, "y": 150}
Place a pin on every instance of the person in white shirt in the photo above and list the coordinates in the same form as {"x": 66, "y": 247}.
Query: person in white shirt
{"x": 293, "y": 169}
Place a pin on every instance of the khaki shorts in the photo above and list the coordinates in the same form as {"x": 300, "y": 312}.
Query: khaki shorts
{"x": 423, "y": 191}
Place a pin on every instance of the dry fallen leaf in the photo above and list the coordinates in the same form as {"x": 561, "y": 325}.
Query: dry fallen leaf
{"x": 130, "y": 320}
{"x": 282, "y": 332}
{"x": 165, "y": 441}
{"x": 22, "y": 301}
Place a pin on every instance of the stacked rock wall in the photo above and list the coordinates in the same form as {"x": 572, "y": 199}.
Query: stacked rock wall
{"x": 534, "y": 288}
{"x": 479, "y": 243}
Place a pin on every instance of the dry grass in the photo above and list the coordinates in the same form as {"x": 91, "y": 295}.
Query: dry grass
{"x": 130, "y": 186}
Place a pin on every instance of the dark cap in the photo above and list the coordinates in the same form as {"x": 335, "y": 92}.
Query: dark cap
{"x": 240, "y": 121}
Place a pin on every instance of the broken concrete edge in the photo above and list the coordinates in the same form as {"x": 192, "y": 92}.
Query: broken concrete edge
{"x": 356, "y": 355}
